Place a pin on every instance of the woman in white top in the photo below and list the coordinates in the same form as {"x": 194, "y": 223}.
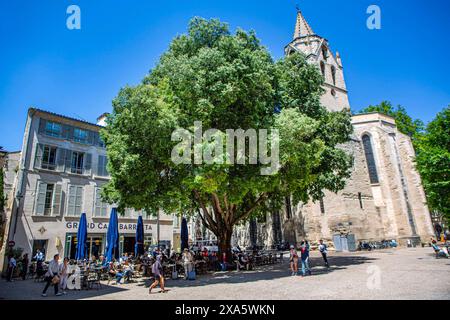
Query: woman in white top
{"x": 188, "y": 262}
{"x": 64, "y": 274}
{"x": 293, "y": 260}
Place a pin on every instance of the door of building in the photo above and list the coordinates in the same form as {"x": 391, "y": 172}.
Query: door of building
{"x": 344, "y": 243}
{"x": 337, "y": 242}
{"x": 128, "y": 244}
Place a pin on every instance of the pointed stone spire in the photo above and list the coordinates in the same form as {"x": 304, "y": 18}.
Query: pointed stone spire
{"x": 302, "y": 27}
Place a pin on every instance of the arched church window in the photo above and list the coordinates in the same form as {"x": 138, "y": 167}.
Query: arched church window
{"x": 370, "y": 159}
{"x": 322, "y": 68}
{"x": 324, "y": 53}
{"x": 333, "y": 74}
{"x": 322, "y": 206}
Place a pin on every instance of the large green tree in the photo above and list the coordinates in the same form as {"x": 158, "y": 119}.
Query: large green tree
{"x": 433, "y": 162}
{"x": 226, "y": 81}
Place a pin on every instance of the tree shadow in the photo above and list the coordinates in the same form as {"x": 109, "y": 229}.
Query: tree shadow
{"x": 268, "y": 272}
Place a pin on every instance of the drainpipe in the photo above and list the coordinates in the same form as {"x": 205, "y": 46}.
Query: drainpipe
{"x": 157, "y": 230}
{"x": 15, "y": 209}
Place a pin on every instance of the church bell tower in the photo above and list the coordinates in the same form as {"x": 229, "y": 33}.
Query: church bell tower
{"x": 318, "y": 52}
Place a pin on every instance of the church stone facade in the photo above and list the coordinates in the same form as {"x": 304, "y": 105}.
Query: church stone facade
{"x": 383, "y": 199}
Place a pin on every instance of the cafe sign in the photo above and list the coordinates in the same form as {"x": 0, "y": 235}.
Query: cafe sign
{"x": 101, "y": 226}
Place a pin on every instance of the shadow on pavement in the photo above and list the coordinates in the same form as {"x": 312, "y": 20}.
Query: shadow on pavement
{"x": 269, "y": 272}
{"x": 30, "y": 290}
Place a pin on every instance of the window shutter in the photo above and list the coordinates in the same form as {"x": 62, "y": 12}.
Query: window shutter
{"x": 97, "y": 202}
{"x": 39, "y": 153}
{"x": 56, "y": 204}
{"x": 79, "y": 201}
{"x": 102, "y": 166}
{"x": 40, "y": 199}
{"x": 42, "y": 124}
{"x": 91, "y": 137}
{"x": 71, "y": 204}
{"x": 60, "y": 158}
{"x": 105, "y": 170}
{"x": 68, "y": 160}
{"x": 95, "y": 136}
{"x": 68, "y": 132}
{"x": 88, "y": 164}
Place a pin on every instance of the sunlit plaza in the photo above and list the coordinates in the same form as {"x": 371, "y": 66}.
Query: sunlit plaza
{"x": 409, "y": 273}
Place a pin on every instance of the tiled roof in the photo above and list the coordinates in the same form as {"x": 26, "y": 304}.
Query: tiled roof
{"x": 63, "y": 116}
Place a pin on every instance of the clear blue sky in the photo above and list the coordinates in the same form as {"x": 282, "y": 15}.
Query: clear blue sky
{"x": 78, "y": 72}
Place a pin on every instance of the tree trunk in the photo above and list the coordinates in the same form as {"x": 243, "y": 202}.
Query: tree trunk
{"x": 224, "y": 241}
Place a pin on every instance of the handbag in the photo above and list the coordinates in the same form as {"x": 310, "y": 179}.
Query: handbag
{"x": 55, "y": 280}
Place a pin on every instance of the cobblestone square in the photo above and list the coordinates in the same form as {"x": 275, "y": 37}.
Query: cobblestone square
{"x": 404, "y": 273}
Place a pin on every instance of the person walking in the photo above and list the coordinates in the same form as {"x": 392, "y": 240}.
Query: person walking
{"x": 158, "y": 274}
{"x": 52, "y": 276}
{"x": 323, "y": 251}
{"x": 304, "y": 255}
{"x": 64, "y": 273}
{"x": 293, "y": 260}
{"x": 25, "y": 263}
{"x": 12, "y": 264}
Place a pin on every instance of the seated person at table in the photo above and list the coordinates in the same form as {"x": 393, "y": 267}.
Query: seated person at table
{"x": 127, "y": 271}
{"x": 214, "y": 261}
{"x": 237, "y": 259}
{"x": 101, "y": 262}
{"x": 441, "y": 252}
{"x": 198, "y": 257}
{"x": 124, "y": 257}
{"x": 115, "y": 272}
{"x": 245, "y": 260}
{"x": 173, "y": 256}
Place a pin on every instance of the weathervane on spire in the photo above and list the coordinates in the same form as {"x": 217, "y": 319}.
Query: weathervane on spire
{"x": 302, "y": 27}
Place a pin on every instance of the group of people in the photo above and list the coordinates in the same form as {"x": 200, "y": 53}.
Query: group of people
{"x": 241, "y": 259}
{"x": 121, "y": 271}
{"x": 294, "y": 256}
{"x": 23, "y": 263}
{"x": 56, "y": 275}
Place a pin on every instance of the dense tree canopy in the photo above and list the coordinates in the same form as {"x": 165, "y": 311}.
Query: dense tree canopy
{"x": 226, "y": 81}
{"x": 433, "y": 162}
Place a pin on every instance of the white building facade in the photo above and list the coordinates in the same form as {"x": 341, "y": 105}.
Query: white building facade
{"x": 60, "y": 173}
